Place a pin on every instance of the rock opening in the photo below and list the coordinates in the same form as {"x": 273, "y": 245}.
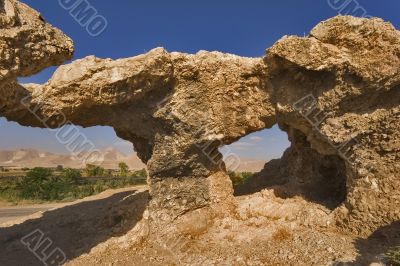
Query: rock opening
{"x": 301, "y": 171}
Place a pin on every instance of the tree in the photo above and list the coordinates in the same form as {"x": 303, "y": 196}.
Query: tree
{"x": 235, "y": 178}
{"x": 94, "y": 171}
{"x": 90, "y": 170}
{"x": 141, "y": 173}
{"x": 109, "y": 173}
{"x": 39, "y": 174}
{"x": 59, "y": 168}
{"x": 34, "y": 184}
{"x": 123, "y": 169}
{"x": 100, "y": 171}
{"x": 72, "y": 176}
{"x": 4, "y": 169}
{"x": 393, "y": 256}
{"x": 245, "y": 176}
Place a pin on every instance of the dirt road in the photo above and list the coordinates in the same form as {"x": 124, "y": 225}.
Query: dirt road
{"x": 73, "y": 228}
{"x": 12, "y": 213}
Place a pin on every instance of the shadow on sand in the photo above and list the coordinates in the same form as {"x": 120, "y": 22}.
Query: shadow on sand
{"x": 75, "y": 229}
{"x": 320, "y": 181}
{"x": 377, "y": 244}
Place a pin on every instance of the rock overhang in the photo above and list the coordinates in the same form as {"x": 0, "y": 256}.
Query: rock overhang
{"x": 177, "y": 109}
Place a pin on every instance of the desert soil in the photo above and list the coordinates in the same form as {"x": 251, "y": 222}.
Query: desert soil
{"x": 110, "y": 229}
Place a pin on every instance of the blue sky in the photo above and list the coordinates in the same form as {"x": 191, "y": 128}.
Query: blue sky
{"x": 244, "y": 28}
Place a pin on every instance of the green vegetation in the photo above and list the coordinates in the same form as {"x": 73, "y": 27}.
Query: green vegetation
{"x": 42, "y": 184}
{"x": 239, "y": 178}
{"x": 94, "y": 171}
{"x": 72, "y": 176}
{"x": 141, "y": 173}
{"x": 393, "y": 256}
{"x": 123, "y": 169}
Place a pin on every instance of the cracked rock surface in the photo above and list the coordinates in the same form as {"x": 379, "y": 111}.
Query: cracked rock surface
{"x": 351, "y": 68}
{"x": 336, "y": 92}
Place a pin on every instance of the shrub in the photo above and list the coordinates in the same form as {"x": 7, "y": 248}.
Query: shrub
{"x": 33, "y": 185}
{"x": 239, "y": 178}
{"x": 9, "y": 193}
{"x": 72, "y": 176}
{"x": 393, "y": 256}
{"x": 94, "y": 171}
{"x": 98, "y": 188}
{"x": 246, "y": 176}
{"x": 42, "y": 184}
{"x": 235, "y": 178}
{"x": 123, "y": 169}
{"x": 86, "y": 191}
{"x": 141, "y": 173}
{"x": 55, "y": 189}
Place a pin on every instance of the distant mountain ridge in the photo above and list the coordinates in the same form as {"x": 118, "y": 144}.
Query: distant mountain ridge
{"x": 30, "y": 158}
{"x": 34, "y": 158}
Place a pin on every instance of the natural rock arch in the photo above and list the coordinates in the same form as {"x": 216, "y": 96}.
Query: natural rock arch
{"x": 339, "y": 83}
{"x": 301, "y": 171}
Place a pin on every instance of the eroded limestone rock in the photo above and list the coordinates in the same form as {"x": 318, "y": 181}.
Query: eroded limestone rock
{"x": 178, "y": 109}
{"x": 349, "y": 69}
{"x": 27, "y": 45}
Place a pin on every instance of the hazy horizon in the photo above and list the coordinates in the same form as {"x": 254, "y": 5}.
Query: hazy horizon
{"x": 263, "y": 145}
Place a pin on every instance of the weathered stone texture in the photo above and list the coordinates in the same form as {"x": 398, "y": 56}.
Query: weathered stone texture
{"x": 352, "y": 68}
{"x": 178, "y": 109}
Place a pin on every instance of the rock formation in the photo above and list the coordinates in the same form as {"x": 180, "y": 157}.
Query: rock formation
{"x": 350, "y": 69}
{"x": 176, "y": 109}
{"x": 27, "y": 45}
{"x": 336, "y": 92}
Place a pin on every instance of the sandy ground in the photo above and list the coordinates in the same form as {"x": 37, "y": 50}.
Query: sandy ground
{"x": 74, "y": 227}
{"x": 112, "y": 229}
{"x": 266, "y": 230}
{"x": 14, "y": 214}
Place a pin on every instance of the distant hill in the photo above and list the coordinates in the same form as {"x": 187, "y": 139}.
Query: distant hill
{"x": 250, "y": 165}
{"x": 112, "y": 157}
{"x": 33, "y": 158}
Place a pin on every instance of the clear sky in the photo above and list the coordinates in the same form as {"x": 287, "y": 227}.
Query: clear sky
{"x": 244, "y": 28}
